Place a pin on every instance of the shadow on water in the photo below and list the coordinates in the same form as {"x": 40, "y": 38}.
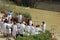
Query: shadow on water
{"x": 46, "y": 5}
{"x": 50, "y": 6}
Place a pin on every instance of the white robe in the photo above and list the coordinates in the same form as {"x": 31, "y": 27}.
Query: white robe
{"x": 37, "y": 29}
{"x": 22, "y": 28}
{"x": 30, "y": 22}
{"x": 27, "y": 28}
{"x": 4, "y": 30}
{"x": 1, "y": 24}
{"x": 14, "y": 30}
{"x": 18, "y": 27}
{"x": 32, "y": 30}
{"x": 10, "y": 25}
{"x": 19, "y": 18}
{"x": 43, "y": 27}
{"x": 9, "y": 17}
{"x": 9, "y": 31}
{"x": 9, "y": 28}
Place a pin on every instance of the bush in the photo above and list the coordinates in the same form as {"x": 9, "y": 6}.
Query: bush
{"x": 14, "y": 8}
{"x": 41, "y": 36}
{"x": 54, "y": 39}
{"x": 27, "y": 15}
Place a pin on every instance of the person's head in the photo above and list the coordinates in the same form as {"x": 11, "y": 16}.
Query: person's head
{"x": 2, "y": 17}
{"x": 5, "y": 21}
{"x": 25, "y": 24}
{"x": 19, "y": 13}
{"x": 11, "y": 11}
{"x": 20, "y": 22}
{"x": 11, "y": 20}
{"x": 37, "y": 25}
{"x": 9, "y": 14}
{"x": 43, "y": 22}
{"x": 32, "y": 25}
{"x": 14, "y": 23}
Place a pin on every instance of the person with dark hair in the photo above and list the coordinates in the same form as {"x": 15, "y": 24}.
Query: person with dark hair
{"x": 4, "y": 27}
{"x": 11, "y": 13}
{"x": 5, "y": 21}
{"x": 14, "y": 27}
{"x": 32, "y": 29}
{"x": 9, "y": 28}
{"x": 1, "y": 23}
{"x": 37, "y": 29}
{"x": 43, "y": 26}
{"x": 27, "y": 21}
{"x": 18, "y": 27}
{"x": 27, "y": 29}
{"x": 21, "y": 29}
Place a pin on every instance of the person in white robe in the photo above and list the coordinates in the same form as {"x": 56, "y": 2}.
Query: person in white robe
{"x": 14, "y": 27}
{"x": 27, "y": 30}
{"x": 9, "y": 28}
{"x": 19, "y": 17}
{"x": 4, "y": 27}
{"x": 37, "y": 29}
{"x": 1, "y": 23}
{"x": 43, "y": 26}
{"x": 9, "y": 17}
{"x": 32, "y": 30}
{"x": 22, "y": 28}
{"x": 18, "y": 27}
{"x": 9, "y": 32}
{"x": 30, "y": 22}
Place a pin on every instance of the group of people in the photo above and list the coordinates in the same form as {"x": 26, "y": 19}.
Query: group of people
{"x": 17, "y": 26}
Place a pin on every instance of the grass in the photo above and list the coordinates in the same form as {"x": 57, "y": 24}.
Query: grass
{"x": 52, "y": 18}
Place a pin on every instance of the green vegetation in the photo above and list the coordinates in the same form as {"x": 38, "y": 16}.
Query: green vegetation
{"x": 27, "y": 15}
{"x": 41, "y": 36}
{"x": 4, "y": 7}
{"x": 15, "y": 9}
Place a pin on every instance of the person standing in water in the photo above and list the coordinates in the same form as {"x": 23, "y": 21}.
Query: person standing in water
{"x": 43, "y": 26}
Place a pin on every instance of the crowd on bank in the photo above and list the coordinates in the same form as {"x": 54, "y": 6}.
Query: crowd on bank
{"x": 17, "y": 26}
